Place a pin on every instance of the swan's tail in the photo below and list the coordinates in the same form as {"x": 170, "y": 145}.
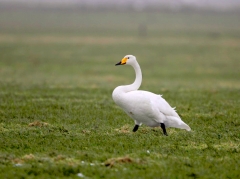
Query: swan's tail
{"x": 176, "y": 122}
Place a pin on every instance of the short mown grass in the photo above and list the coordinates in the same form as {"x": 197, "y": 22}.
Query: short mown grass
{"x": 57, "y": 116}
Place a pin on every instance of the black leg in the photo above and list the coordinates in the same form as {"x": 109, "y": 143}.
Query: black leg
{"x": 135, "y": 128}
{"x": 164, "y": 129}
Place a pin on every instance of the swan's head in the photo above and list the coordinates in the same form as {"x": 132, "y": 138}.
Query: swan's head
{"x": 128, "y": 60}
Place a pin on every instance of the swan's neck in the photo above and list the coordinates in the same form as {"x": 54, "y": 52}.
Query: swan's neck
{"x": 138, "y": 80}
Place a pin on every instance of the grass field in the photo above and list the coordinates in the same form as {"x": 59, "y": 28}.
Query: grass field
{"x": 57, "y": 74}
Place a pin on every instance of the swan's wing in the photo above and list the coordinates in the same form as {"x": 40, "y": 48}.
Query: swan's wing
{"x": 162, "y": 105}
{"x": 137, "y": 104}
{"x": 151, "y": 102}
{"x": 171, "y": 118}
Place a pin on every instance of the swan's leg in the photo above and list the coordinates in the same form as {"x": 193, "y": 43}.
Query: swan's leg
{"x": 135, "y": 128}
{"x": 137, "y": 124}
{"x": 164, "y": 129}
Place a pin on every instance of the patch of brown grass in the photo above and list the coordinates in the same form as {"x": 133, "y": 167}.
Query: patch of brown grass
{"x": 111, "y": 162}
{"x": 23, "y": 159}
{"x": 86, "y": 131}
{"x": 59, "y": 158}
{"x": 28, "y": 157}
{"x": 17, "y": 161}
{"x": 38, "y": 124}
{"x": 124, "y": 129}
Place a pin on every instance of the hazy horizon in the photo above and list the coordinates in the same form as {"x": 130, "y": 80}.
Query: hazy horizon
{"x": 213, "y": 4}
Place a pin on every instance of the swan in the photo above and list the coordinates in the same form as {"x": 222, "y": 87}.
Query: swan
{"x": 145, "y": 107}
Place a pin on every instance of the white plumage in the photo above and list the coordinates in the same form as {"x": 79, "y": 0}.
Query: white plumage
{"x": 145, "y": 107}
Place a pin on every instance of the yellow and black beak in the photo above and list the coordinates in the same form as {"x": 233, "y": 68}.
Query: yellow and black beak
{"x": 122, "y": 62}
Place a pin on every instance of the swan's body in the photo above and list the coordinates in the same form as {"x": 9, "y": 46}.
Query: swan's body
{"x": 145, "y": 107}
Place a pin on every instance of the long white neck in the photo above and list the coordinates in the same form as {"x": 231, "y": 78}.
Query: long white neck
{"x": 138, "y": 80}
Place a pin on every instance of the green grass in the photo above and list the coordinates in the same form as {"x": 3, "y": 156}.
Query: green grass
{"x": 57, "y": 116}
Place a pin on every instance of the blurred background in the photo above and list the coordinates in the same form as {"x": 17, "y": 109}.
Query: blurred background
{"x": 75, "y": 43}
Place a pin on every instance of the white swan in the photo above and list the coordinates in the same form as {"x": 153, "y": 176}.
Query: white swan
{"x": 145, "y": 107}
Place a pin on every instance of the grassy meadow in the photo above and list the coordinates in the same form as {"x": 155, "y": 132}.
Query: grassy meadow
{"x": 57, "y": 74}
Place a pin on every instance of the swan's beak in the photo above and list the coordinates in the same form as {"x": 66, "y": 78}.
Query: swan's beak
{"x": 122, "y": 62}
{"x": 118, "y": 64}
